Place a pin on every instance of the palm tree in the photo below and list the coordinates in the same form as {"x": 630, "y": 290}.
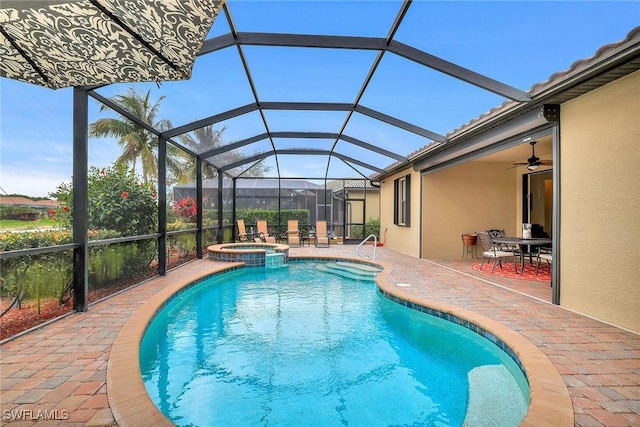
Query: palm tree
{"x": 207, "y": 138}
{"x": 137, "y": 143}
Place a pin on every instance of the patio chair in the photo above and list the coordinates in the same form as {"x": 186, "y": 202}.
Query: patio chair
{"x": 293, "y": 233}
{"x": 322, "y": 237}
{"x": 491, "y": 251}
{"x": 544, "y": 253}
{"x": 498, "y": 232}
{"x": 242, "y": 231}
{"x": 263, "y": 232}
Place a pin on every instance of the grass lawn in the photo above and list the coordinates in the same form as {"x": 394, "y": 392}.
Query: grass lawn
{"x": 13, "y": 224}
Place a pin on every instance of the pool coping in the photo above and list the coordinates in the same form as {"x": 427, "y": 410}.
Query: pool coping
{"x": 549, "y": 404}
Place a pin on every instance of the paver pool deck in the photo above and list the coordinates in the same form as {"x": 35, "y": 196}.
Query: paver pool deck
{"x": 57, "y": 374}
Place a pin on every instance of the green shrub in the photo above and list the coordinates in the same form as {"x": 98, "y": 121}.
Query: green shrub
{"x": 371, "y": 227}
{"x": 117, "y": 200}
{"x": 21, "y": 213}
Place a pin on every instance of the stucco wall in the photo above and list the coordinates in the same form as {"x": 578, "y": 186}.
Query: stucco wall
{"x": 600, "y": 203}
{"x": 400, "y": 238}
{"x": 471, "y": 197}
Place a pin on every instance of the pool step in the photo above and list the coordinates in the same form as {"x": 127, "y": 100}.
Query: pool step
{"x": 350, "y": 270}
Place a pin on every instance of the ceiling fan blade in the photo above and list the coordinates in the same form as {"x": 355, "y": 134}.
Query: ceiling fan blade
{"x": 540, "y": 162}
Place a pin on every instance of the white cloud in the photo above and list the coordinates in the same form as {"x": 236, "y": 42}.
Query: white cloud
{"x": 36, "y": 183}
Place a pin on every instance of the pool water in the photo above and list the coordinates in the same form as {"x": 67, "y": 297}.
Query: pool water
{"x": 298, "y": 346}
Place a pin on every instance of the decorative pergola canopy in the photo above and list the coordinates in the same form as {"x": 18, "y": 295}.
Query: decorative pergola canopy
{"x": 94, "y": 42}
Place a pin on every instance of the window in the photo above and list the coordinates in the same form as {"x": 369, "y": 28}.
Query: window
{"x": 401, "y": 200}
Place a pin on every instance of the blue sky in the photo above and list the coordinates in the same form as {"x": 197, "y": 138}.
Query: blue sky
{"x": 517, "y": 43}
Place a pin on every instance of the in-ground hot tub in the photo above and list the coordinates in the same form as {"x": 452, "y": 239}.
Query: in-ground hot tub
{"x": 252, "y": 254}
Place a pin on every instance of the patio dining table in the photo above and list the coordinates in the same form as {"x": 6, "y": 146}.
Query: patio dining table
{"x": 522, "y": 243}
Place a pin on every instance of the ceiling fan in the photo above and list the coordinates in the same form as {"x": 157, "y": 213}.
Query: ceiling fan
{"x": 534, "y": 162}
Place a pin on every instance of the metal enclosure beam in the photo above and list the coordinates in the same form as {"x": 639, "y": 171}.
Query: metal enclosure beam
{"x": 457, "y": 71}
{"x": 220, "y": 201}
{"x": 373, "y": 148}
{"x": 80, "y": 199}
{"x": 200, "y": 205}
{"x": 210, "y": 120}
{"x": 399, "y": 123}
{"x": 162, "y": 206}
{"x": 298, "y": 151}
{"x": 233, "y": 146}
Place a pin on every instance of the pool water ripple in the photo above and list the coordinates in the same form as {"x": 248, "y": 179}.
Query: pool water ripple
{"x": 296, "y": 346}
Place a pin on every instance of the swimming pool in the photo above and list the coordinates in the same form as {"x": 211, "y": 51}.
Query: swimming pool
{"x": 296, "y": 345}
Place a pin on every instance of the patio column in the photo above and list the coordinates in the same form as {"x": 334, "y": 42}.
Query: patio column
{"x": 555, "y": 228}
{"x": 80, "y": 199}
{"x": 162, "y": 206}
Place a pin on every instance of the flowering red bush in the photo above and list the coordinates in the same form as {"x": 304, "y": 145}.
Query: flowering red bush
{"x": 186, "y": 209}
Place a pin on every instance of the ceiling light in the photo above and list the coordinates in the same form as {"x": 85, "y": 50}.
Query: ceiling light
{"x": 533, "y": 167}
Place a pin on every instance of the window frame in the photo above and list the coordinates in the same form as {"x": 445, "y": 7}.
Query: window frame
{"x": 402, "y": 201}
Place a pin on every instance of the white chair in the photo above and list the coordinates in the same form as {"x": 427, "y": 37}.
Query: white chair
{"x": 491, "y": 251}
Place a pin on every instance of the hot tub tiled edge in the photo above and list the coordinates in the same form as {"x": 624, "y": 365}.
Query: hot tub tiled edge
{"x": 251, "y": 254}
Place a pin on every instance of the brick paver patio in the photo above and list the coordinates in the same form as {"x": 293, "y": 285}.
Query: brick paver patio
{"x": 56, "y": 375}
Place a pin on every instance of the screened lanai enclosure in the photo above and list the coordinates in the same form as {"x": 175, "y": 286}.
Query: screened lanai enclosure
{"x": 291, "y": 108}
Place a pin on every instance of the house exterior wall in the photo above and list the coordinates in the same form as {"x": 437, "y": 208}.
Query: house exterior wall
{"x": 464, "y": 199}
{"x": 600, "y": 203}
{"x": 372, "y": 205}
{"x": 401, "y": 238}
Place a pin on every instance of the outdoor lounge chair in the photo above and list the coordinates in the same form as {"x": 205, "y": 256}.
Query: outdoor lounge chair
{"x": 263, "y": 232}
{"x": 293, "y": 233}
{"x": 322, "y": 238}
{"x": 491, "y": 251}
{"x": 242, "y": 231}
